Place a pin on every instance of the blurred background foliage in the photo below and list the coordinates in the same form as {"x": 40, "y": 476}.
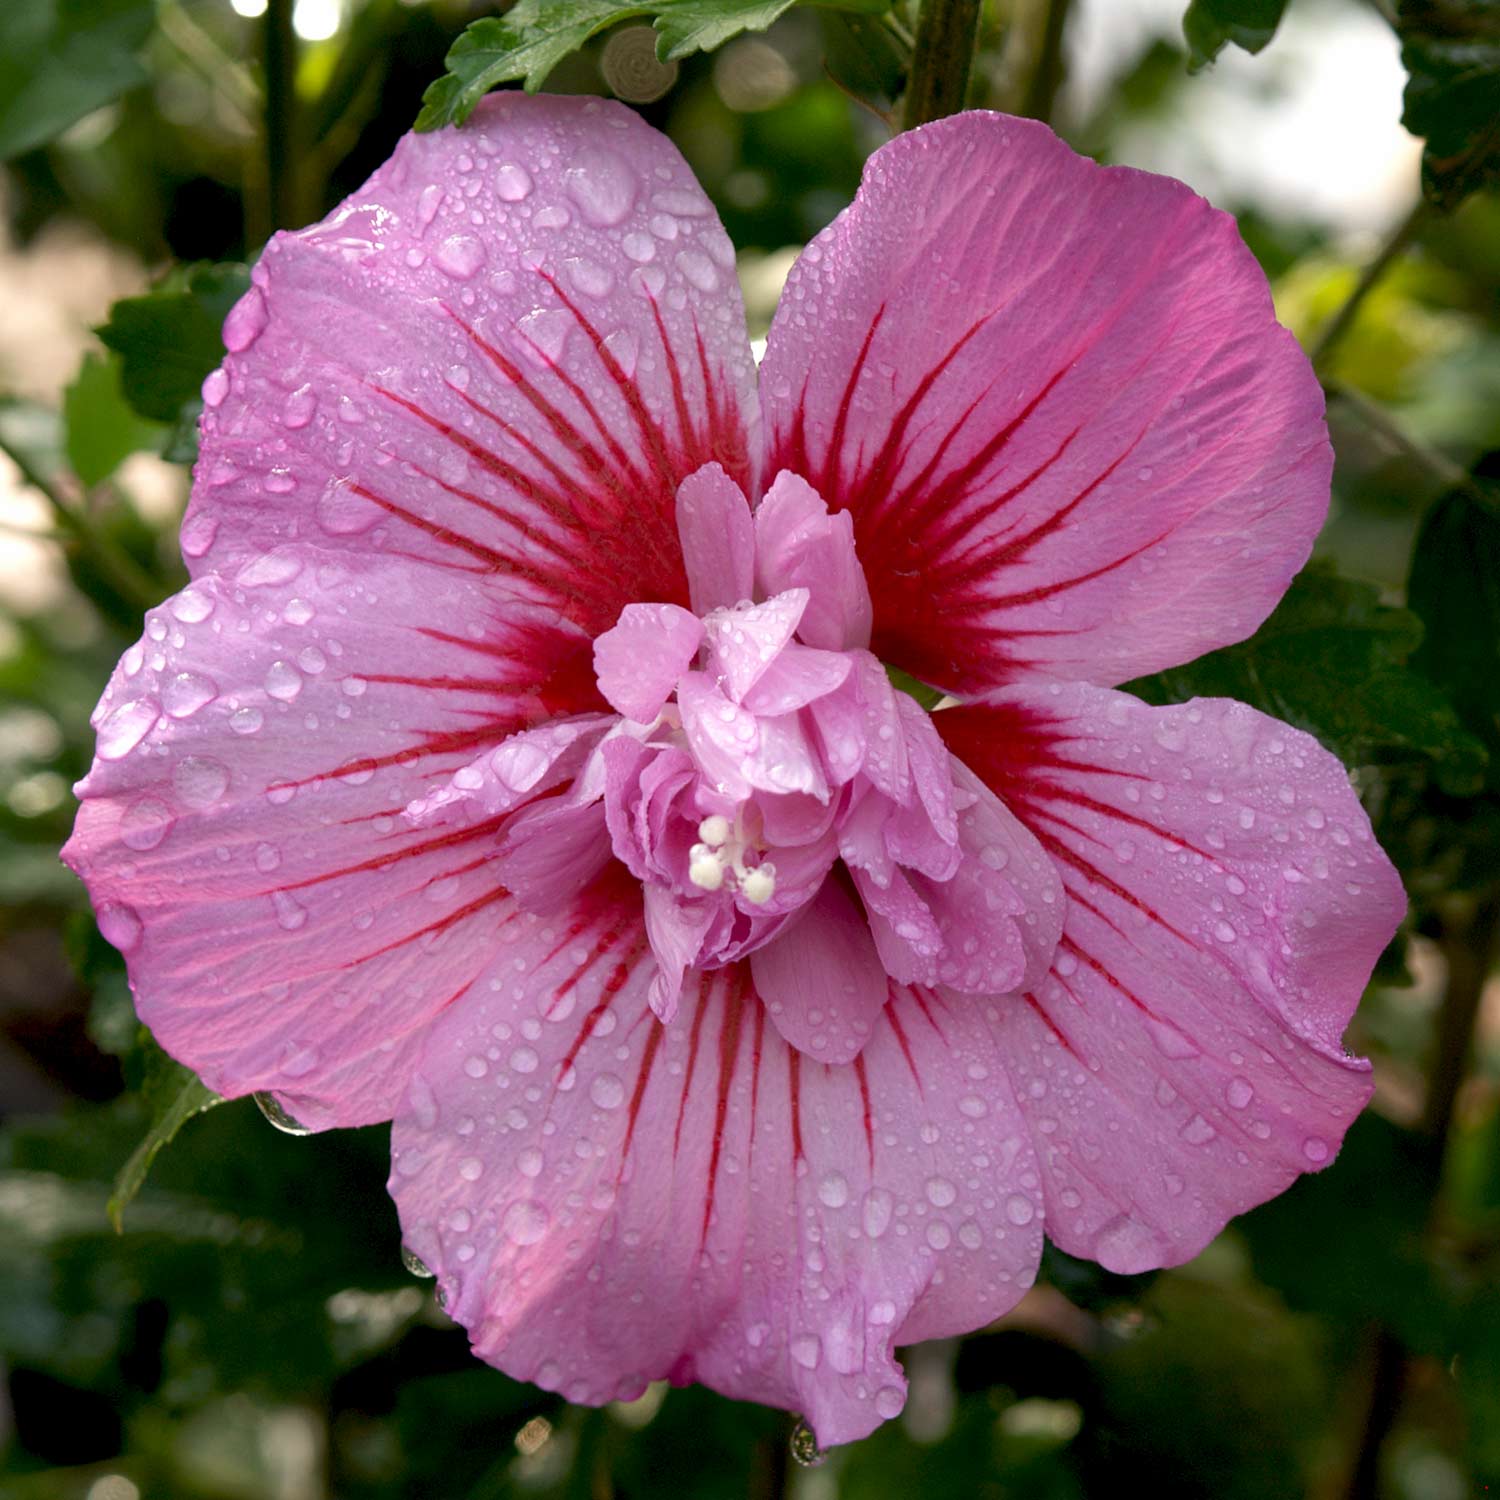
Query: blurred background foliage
{"x": 252, "y": 1334}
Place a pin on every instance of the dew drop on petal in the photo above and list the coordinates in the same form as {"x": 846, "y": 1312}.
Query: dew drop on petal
{"x": 803, "y": 1445}
{"x": 119, "y": 925}
{"x": 807, "y": 1350}
{"x": 280, "y": 1116}
{"x": 126, "y": 726}
{"x": 525, "y": 1222}
{"x": 246, "y": 321}
{"x": 199, "y": 780}
{"x": 145, "y": 824}
{"x": 833, "y": 1190}
{"x": 512, "y": 182}
{"x": 1315, "y": 1148}
{"x": 607, "y": 1091}
{"x": 415, "y": 1264}
{"x": 186, "y": 693}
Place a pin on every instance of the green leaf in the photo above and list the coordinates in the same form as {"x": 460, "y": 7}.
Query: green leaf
{"x": 174, "y": 1095}
{"x": 1209, "y": 24}
{"x": 60, "y": 59}
{"x": 1333, "y": 660}
{"x": 102, "y": 428}
{"x": 1455, "y": 588}
{"x": 530, "y": 39}
{"x": 169, "y": 340}
{"x": 701, "y": 25}
{"x": 1451, "y": 52}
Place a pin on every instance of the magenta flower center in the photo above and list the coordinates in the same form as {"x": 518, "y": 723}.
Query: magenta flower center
{"x": 761, "y": 764}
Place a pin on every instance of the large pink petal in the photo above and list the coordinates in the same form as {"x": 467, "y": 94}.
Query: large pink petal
{"x": 1226, "y": 903}
{"x": 242, "y": 832}
{"x": 608, "y": 1201}
{"x": 501, "y": 355}
{"x": 822, "y": 979}
{"x": 1055, "y": 397}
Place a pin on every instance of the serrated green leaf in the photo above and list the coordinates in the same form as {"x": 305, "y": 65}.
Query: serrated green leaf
{"x": 102, "y": 428}
{"x": 60, "y": 59}
{"x": 1333, "y": 660}
{"x": 169, "y": 339}
{"x": 525, "y": 44}
{"x": 174, "y": 1096}
{"x": 529, "y": 40}
{"x": 701, "y": 25}
{"x": 1455, "y": 589}
{"x": 1451, "y": 52}
{"x": 1209, "y": 24}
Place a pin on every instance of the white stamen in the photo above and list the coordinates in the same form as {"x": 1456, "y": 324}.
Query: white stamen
{"x": 714, "y": 830}
{"x": 757, "y": 886}
{"x": 705, "y": 868}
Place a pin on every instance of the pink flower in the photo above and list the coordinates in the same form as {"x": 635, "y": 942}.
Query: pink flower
{"x": 502, "y": 771}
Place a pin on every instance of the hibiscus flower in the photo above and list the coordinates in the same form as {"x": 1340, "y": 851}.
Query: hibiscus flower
{"x": 521, "y": 763}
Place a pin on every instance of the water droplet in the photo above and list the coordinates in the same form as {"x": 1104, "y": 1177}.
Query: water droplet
{"x": 119, "y": 925}
{"x": 940, "y": 1192}
{"x": 699, "y": 270}
{"x": 246, "y": 720}
{"x": 246, "y": 321}
{"x": 415, "y": 1264}
{"x": 889, "y": 1400}
{"x": 215, "y": 387}
{"x": 525, "y": 1222}
{"x": 524, "y": 1060}
{"x": 341, "y": 511}
{"x": 459, "y": 256}
{"x": 512, "y": 182}
{"x": 833, "y": 1190}
{"x": 1315, "y": 1148}
{"x": 199, "y": 780}
{"x": 298, "y": 408}
{"x": 607, "y": 1091}
{"x": 186, "y": 693}
{"x": 1239, "y": 1093}
{"x": 280, "y": 1116}
{"x": 283, "y": 681}
{"x": 290, "y": 913}
{"x": 877, "y": 1210}
{"x": 803, "y": 1446}
{"x": 126, "y": 726}
{"x": 807, "y": 1350}
{"x": 1019, "y": 1209}
{"x": 191, "y": 607}
{"x": 145, "y": 824}
{"x": 602, "y": 184}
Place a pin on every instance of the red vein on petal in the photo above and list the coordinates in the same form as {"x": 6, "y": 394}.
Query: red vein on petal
{"x": 694, "y": 1037}
{"x": 895, "y": 1020}
{"x": 794, "y": 1090}
{"x": 642, "y": 1078}
{"x": 733, "y": 1011}
{"x": 862, "y": 1075}
{"x": 830, "y": 480}
{"x": 1049, "y": 1023}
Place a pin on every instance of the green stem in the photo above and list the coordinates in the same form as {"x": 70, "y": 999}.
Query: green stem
{"x": 1449, "y": 474}
{"x": 1469, "y": 940}
{"x": 1047, "y": 76}
{"x": 1385, "y": 257}
{"x": 941, "y": 59}
{"x": 130, "y": 582}
{"x": 280, "y": 60}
